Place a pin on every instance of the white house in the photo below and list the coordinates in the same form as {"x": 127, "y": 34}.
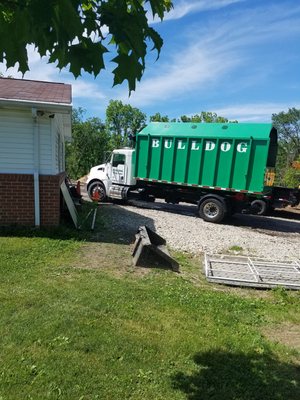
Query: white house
{"x": 35, "y": 121}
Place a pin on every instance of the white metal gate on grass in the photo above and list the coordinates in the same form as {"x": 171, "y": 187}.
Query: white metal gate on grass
{"x": 251, "y": 271}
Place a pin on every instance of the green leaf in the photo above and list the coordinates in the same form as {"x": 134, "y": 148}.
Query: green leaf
{"x": 88, "y": 56}
{"x": 129, "y": 68}
{"x": 159, "y": 7}
{"x": 156, "y": 39}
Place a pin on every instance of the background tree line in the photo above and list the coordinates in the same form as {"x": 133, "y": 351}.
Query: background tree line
{"x": 94, "y": 139}
{"x": 288, "y": 156}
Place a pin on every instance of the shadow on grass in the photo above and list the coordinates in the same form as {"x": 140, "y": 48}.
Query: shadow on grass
{"x": 237, "y": 376}
{"x": 113, "y": 224}
{"x": 116, "y": 224}
{"x": 63, "y": 232}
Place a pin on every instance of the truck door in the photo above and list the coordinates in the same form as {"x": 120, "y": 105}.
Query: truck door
{"x": 118, "y": 168}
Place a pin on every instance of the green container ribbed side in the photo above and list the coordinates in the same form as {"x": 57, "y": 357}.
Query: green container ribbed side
{"x": 233, "y": 156}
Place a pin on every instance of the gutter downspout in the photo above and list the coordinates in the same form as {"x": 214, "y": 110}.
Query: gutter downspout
{"x": 36, "y": 147}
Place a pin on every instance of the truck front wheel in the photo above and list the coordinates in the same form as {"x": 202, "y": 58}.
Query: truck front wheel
{"x": 96, "y": 191}
{"x": 212, "y": 210}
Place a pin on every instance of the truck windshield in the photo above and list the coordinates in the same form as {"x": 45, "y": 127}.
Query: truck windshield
{"x": 107, "y": 156}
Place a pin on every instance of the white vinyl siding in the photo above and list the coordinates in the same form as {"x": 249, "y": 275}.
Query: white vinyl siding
{"x": 46, "y": 167}
{"x": 59, "y": 149}
{"x": 16, "y": 142}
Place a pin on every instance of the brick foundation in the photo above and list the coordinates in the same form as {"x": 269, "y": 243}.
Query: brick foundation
{"x": 17, "y": 199}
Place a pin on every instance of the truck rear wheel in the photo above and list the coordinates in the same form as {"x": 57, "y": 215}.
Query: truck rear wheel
{"x": 212, "y": 210}
{"x": 259, "y": 207}
{"x": 96, "y": 191}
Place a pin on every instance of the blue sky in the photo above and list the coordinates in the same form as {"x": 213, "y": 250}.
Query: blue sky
{"x": 238, "y": 58}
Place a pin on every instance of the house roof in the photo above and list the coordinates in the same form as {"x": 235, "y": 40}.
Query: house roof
{"x": 35, "y": 91}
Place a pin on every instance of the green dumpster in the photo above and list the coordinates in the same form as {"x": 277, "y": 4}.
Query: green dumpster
{"x": 219, "y": 156}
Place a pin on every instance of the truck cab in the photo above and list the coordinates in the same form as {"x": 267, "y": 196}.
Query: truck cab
{"x": 112, "y": 179}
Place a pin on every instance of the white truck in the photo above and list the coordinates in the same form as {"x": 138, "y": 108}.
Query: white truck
{"x": 222, "y": 168}
{"x": 112, "y": 179}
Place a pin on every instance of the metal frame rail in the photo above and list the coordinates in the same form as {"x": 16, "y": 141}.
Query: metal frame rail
{"x": 251, "y": 271}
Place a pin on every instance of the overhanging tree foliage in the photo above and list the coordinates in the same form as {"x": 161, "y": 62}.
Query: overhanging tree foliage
{"x": 73, "y": 33}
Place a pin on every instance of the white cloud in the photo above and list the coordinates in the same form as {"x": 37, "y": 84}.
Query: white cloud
{"x": 185, "y": 73}
{"x": 254, "y": 112}
{"x": 86, "y": 90}
{"x": 183, "y": 7}
{"x": 222, "y": 48}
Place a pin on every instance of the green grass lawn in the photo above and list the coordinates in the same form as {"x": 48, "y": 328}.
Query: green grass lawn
{"x": 79, "y": 322}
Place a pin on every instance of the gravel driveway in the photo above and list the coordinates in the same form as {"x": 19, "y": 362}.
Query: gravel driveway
{"x": 276, "y": 237}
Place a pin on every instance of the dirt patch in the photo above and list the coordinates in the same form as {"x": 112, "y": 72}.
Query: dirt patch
{"x": 286, "y": 333}
{"x": 109, "y": 257}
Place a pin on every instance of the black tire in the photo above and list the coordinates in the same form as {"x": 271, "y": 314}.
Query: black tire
{"x": 151, "y": 199}
{"x": 271, "y": 210}
{"x": 97, "y": 192}
{"x": 259, "y": 207}
{"x": 212, "y": 210}
{"x": 147, "y": 197}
